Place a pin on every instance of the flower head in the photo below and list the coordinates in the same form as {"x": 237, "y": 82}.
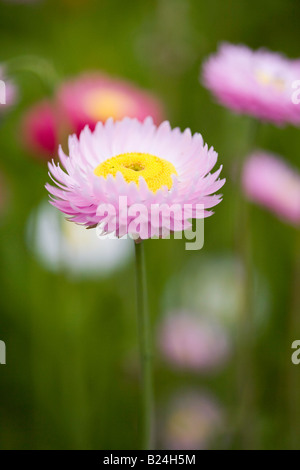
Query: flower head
{"x": 258, "y": 83}
{"x": 124, "y": 173}
{"x": 189, "y": 341}
{"x": 270, "y": 182}
{"x": 94, "y": 97}
{"x": 82, "y": 101}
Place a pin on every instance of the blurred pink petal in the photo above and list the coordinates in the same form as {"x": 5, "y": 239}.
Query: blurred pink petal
{"x": 189, "y": 341}
{"x": 82, "y": 101}
{"x": 39, "y": 129}
{"x": 258, "y": 83}
{"x": 269, "y": 181}
{"x": 193, "y": 421}
{"x": 94, "y": 97}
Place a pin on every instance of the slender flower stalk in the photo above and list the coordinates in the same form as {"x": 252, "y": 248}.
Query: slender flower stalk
{"x": 145, "y": 347}
{"x": 245, "y": 373}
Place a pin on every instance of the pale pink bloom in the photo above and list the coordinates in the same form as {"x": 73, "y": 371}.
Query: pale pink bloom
{"x": 39, "y": 129}
{"x": 189, "y": 341}
{"x": 194, "y": 420}
{"x": 269, "y": 181}
{"x": 176, "y": 163}
{"x": 258, "y": 83}
{"x": 94, "y": 97}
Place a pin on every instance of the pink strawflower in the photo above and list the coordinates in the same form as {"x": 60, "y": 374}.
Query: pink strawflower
{"x": 194, "y": 420}
{"x": 189, "y": 341}
{"x": 94, "y": 97}
{"x": 82, "y": 101}
{"x": 258, "y": 83}
{"x": 270, "y": 182}
{"x": 127, "y": 163}
{"x": 39, "y": 129}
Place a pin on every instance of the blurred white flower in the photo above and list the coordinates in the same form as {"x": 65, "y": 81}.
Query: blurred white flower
{"x": 190, "y": 341}
{"x": 215, "y": 286}
{"x": 193, "y": 421}
{"x": 64, "y": 246}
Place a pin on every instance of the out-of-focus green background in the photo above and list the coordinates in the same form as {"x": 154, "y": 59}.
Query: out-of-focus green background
{"x": 71, "y": 379}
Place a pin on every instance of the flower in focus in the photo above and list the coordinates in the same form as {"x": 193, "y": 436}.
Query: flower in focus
{"x": 125, "y": 173}
{"x": 270, "y": 182}
{"x": 62, "y": 246}
{"x": 39, "y": 129}
{"x": 8, "y": 91}
{"x": 95, "y": 97}
{"x": 189, "y": 341}
{"x": 82, "y": 101}
{"x": 194, "y": 420}
{"x": 258, "y": 83}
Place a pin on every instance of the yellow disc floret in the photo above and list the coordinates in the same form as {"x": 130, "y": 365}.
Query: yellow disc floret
{"x": 156, "y": 171}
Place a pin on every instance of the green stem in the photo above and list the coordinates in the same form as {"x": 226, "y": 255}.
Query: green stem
{"x": 245, "y": 334}
{"x": 145, "y": 348}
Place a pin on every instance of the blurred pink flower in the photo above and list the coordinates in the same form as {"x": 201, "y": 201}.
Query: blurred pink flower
{"x": 39, "y": 129}
{"x": 82, "y": 101}
{"x": 94, "y": 97}
{"x": 193, "y": 421}
{"x": 270, "y": 182}
{"x": 189, "y": 341}
{"x": 258, "y": 83}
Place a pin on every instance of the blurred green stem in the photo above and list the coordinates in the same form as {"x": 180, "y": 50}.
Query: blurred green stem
{"x": 245, "y": 334}
{"x": 145, "y": 347}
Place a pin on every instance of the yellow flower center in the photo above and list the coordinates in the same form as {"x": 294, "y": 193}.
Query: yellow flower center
{"x": 156, "y": 171}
